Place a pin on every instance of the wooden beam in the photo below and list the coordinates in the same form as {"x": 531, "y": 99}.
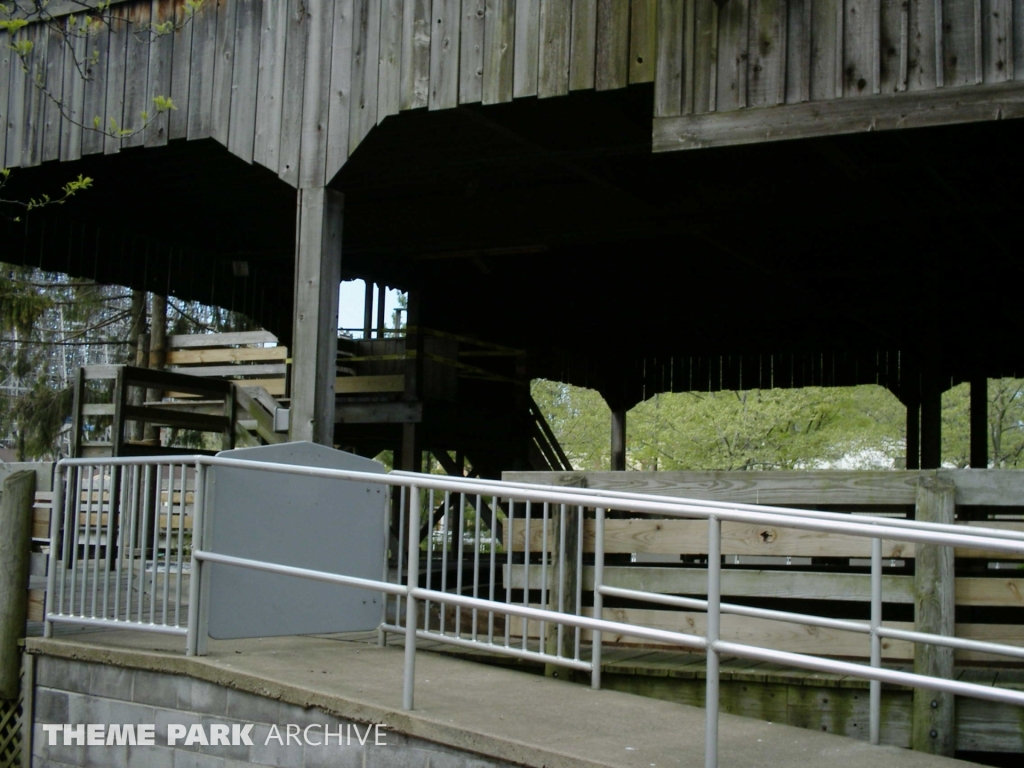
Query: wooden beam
{"x": 618, "y": 441}
{"x": 934, "y": 612}
{"x": 15, "y": 533}
{"x": 931, "y": 424}
{"x": 884, "y": 112}
{"x": 565, "y": 578}
{"x": 315, "y": 327}
{"x": 979, "y": 422}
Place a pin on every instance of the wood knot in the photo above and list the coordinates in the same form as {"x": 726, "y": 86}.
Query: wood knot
{"x": 767, "y": 535}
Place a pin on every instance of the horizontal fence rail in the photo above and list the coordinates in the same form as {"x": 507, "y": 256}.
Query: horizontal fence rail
{"x": 479, "y": 564}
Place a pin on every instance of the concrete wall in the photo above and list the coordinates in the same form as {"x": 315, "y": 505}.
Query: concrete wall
{"x": 80, "y": 692}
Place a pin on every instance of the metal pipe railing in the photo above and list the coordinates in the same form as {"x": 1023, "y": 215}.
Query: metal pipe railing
{"x": 130, "y": 494}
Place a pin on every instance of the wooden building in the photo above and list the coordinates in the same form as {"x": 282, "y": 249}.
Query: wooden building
{"x": 644, "y": 196}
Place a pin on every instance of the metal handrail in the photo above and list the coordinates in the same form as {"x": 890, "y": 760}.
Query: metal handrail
{"x": 555, "y": 498}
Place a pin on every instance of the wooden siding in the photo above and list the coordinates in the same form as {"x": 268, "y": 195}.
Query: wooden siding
{"x": 296, "y": 87}
{"x": 833, "y": 66}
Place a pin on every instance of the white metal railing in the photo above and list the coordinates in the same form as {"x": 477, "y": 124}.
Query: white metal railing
{"x": 118, "y": 585}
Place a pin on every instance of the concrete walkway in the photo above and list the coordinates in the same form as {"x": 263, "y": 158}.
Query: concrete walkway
{"x": 498, "y": 713}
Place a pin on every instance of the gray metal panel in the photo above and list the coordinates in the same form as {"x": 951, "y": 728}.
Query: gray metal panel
{"x": 327, "y": 525}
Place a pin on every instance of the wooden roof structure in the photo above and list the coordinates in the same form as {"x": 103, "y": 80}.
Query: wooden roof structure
{"x": 647, "y": 195}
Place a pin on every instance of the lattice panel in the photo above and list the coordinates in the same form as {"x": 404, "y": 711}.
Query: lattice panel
{"x": 11, "y": 715}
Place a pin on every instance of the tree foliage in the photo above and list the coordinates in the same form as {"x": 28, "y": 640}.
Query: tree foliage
{"x": 853, "y": 427}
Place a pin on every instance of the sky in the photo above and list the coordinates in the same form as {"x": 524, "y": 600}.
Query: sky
{"x": 350, "y": 306}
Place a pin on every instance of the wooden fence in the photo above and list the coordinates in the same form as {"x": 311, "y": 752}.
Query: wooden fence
{"x": 800, "y": 570}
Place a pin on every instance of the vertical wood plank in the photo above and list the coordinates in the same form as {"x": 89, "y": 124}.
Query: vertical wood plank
{"x": 17, "y": 105}
{"x": 35, "y": 102}
{"x": 94, "y": 106}
{"x": 733, "y": 53}
{"x": 705, "y": 58}
{"x": 921, "y": 55}
{"x": 643, "y": 40}
{"x": 892, "y": 46}
{"x": 365, "y": 46}
{"x": 161, "y": 55}
{"x": 245, "y": 79}
{"x": 612, "y": 44}
{"x": 767, "y": 63}
{"x": 499, "y": 48}
{"x": 858, "y": 48}
{"x": 270, "y": 86}
{"x": 555, "y": 42}
{"x": 294, "y": 80}
{"x": 998, "y": 40}
{"x": 798, "y": 52}
{"x": 74, "y": 95}
{"x": 958, "y": 43}
{"x": 200, "y": 91}
{"x": 583, "y": 46}
{"x": 315, "y": 100}
{"x": 444, "y": 54}
{"x": 223, "y": 69}
{"x": 181, "y": 65}
{"x": 689, "y": 55}
{"x": 1017, "y": 45}
{"x": 54, "y": 103}
{"x": 416, "y": 54}
{"x": 527, "y": 32}
{"x": 389, "y": 86}
{"x": 934, "y": 603}
{"x": 669, "y": 76}
{"x": 339, "y": 117}
{"x": 136, "y": 82}
{"x": 471, "y": 56}
{"x": 824, "y": 43}
{"x": 6, "y": 91}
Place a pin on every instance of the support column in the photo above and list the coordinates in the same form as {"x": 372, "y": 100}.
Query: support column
{"x": 15, "y": 540}
{"x": 934, "y": 721}
{"x": 931, "y": 423}
{"x": 157, "y": 358}
{"x": 979, "y": 422}
{"x": 619, "y": 441}
{"x": 913, "y": 432}
{"x": 315, "y": 325}
{"x": 412, "y": 451}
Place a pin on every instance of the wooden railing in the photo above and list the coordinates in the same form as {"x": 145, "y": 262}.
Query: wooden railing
{"x": 783, "y": 568}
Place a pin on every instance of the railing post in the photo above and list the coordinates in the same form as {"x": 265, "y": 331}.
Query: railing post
{"x": 712, "y": 634}
{"x": 595, "y": 658}
{"x": 875, "y": 686}
{"x": 934, "y": 722}
{"x": 413, "y": 580}
{"x": 56, "y": 512}
{"x": 196, "y": 565}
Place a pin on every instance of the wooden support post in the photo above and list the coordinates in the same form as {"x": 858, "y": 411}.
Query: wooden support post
{"x": 157, "y": 356}
{"x": 381, "y": 294}
{"x": 15, "y": 538}
{"x": 315, "y": 326}
{"x": 934, "y": 603}
{"x": 137, "y": 395}
{"x": 411, "y": 455}
{"x": 913, "y": 433}
{"x": 619, "y": 440}
{"x": 368, "y": 310}
{"x": 979, "y": 422}
{"x": 931, "y": 424}
{"x": 570, "y": 577}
